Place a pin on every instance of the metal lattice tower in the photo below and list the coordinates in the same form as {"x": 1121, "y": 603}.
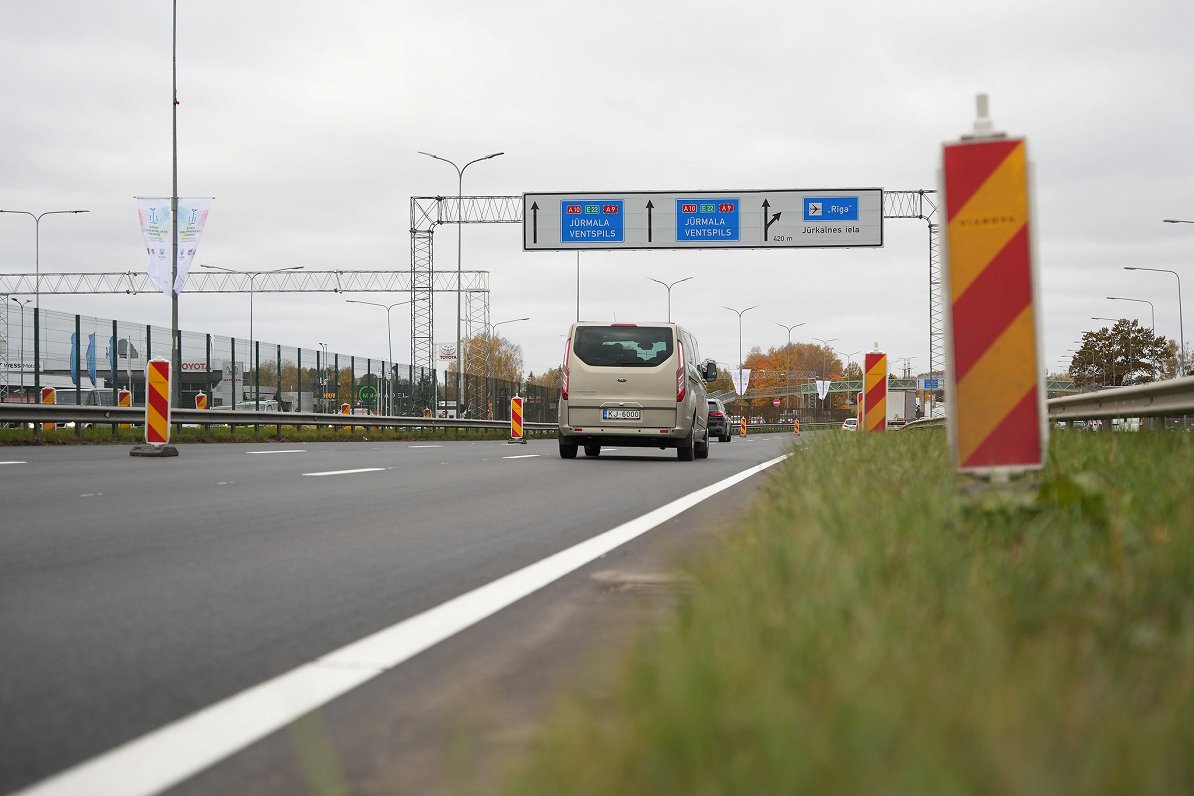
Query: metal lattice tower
{"x": 425, "y": 213}
{"x": 921, "y": 204}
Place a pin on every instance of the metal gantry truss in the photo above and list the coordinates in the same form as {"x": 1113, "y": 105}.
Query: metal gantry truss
{"x": 426, "y": 212}
{"x": 132, "y": 282}
{"x": 475, "y": 285}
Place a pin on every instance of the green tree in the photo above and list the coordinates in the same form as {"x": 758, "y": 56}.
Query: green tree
{"x": 1125, "y": 353}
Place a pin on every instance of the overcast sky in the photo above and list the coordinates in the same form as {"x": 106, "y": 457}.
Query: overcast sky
{"x": 303, "y": 119}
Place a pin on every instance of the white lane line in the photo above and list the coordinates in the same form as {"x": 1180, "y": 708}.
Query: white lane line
{"x": 14, "y": 462}
{"x": 524, "y": 456}
{"x": 170, "y": 754}
{"x": 92, "y": 494}
{"x": 345, "y": 472}
{"x": 424, "y": 446}
{"x": 261, "y": 452}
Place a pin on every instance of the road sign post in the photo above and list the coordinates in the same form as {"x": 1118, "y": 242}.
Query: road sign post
{"x": 997, "y": 423}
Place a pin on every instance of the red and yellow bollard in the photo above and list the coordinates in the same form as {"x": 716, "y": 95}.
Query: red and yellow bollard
{"x": 874, "y": 412}
{"x": 742, "y": 432}
{"x": 48, "y": 396}
{"x": 157, "y": 402}
{"x": 200, "y": 401}
{"x": 796, "y": 426}
{"x": 124, "y": 398}
{"x": 516, "y": 432}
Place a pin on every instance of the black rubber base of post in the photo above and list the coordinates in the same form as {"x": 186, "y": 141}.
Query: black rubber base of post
{"x": 154, "y": 450}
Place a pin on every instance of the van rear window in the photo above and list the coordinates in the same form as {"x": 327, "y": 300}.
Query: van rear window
{"x": 623, "y": 346}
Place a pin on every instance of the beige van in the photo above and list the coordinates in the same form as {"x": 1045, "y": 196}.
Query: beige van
{"x": 634, "y": 385}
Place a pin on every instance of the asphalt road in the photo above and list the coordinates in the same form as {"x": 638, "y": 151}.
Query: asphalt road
{"x": 135, "y": 592}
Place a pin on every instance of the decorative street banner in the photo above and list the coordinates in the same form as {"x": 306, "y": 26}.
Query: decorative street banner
{"x": 823, "y": 388}
{"x": 997, "y": 419}
{"x": 154, "y": 214}
{"x": 741, "y": 380}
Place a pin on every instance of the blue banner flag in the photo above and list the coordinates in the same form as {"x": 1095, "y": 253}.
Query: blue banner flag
{"x": 91, "y": 358}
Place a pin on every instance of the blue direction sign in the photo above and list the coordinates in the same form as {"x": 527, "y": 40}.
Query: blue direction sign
{"x": 707, "y": 219}
{"x": 831, "y": 208}
{"x": 592, "y": 220}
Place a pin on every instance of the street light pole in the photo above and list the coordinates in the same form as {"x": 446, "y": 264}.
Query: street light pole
{"x": 1152, "y": 323}
{"x": 22, "y": 305}
{"x": 389, "y": 338}
{"x": 788, "y": 382}
{"x": 1117, "y": 320}
{"x": 1181, "y": 330}
{"x": 37, "y": 246}
{"x": 323, "y": 376}
{"x": 459, "y": 272}
{"x": 252, "y": 350}
{"x": 740, "y": 314}
{"x": 669, "y": 292}
{"x": 824, "y": 365}
{"x": 37, "y": 286}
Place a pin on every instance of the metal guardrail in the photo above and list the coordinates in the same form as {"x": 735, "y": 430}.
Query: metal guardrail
{"x": 112, "y": 415}
{"x": 1169, "y": 398}
{"x": 106, "y": 415}
{"x": 1172, "y": 397}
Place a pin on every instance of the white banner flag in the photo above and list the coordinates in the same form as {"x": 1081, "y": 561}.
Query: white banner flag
{"x": 823, "y": 388}
{"x": 741, "y": 380}
{"x": 154, "y": 213}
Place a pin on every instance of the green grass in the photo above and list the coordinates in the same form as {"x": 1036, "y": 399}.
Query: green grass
{"x": 876, "y": 627}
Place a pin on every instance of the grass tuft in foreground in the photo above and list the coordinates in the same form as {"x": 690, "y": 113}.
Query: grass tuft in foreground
{"x": 874, "y": 629}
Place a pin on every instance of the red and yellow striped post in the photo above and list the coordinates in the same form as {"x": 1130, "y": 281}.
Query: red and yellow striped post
{"x": 997, "y": 420}
{"x": 200, "y": 401}
{"x": 516, "y": 434}
{"x": 742, "y": 429}
{"x": 858, "y": 407}
{"x": 48, "y": 396}
{"x": 874, "y": 393}
{"x": 124, "y": 398}
{"x": 157, "y": 402}
{"x": 796, "y": 426}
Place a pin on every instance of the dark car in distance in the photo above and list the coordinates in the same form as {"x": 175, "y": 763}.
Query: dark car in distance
{"x": 719, "y": 421}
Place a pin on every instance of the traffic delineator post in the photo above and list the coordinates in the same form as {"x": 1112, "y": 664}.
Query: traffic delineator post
{"x": 516, "y": 431}
{"x": 124, "y": 398}
{"x": 796, "y": 426}
{"x": 345, "y": 409}
{"x": 157, "y": 411}
{"x": 997, "y": 422}
{"x": 49, "y": 396}
{"x": 200, "y": 401}
{"x": 742, "y": 427}
{"x": 874, "y": 393}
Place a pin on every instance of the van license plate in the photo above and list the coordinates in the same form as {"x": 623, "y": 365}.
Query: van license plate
{"x": 621, "y": 414}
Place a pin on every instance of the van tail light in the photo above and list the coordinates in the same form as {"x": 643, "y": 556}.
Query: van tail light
{"x": 681, "y": 374}
{"x": 564, "y": 375}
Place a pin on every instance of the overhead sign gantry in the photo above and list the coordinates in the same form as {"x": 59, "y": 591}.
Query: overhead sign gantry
{"x": 703, "y": 219}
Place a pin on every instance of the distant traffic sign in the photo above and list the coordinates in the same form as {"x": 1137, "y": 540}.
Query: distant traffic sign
{"x": 703, "y": 219}
{"x": 584, "y": 220}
